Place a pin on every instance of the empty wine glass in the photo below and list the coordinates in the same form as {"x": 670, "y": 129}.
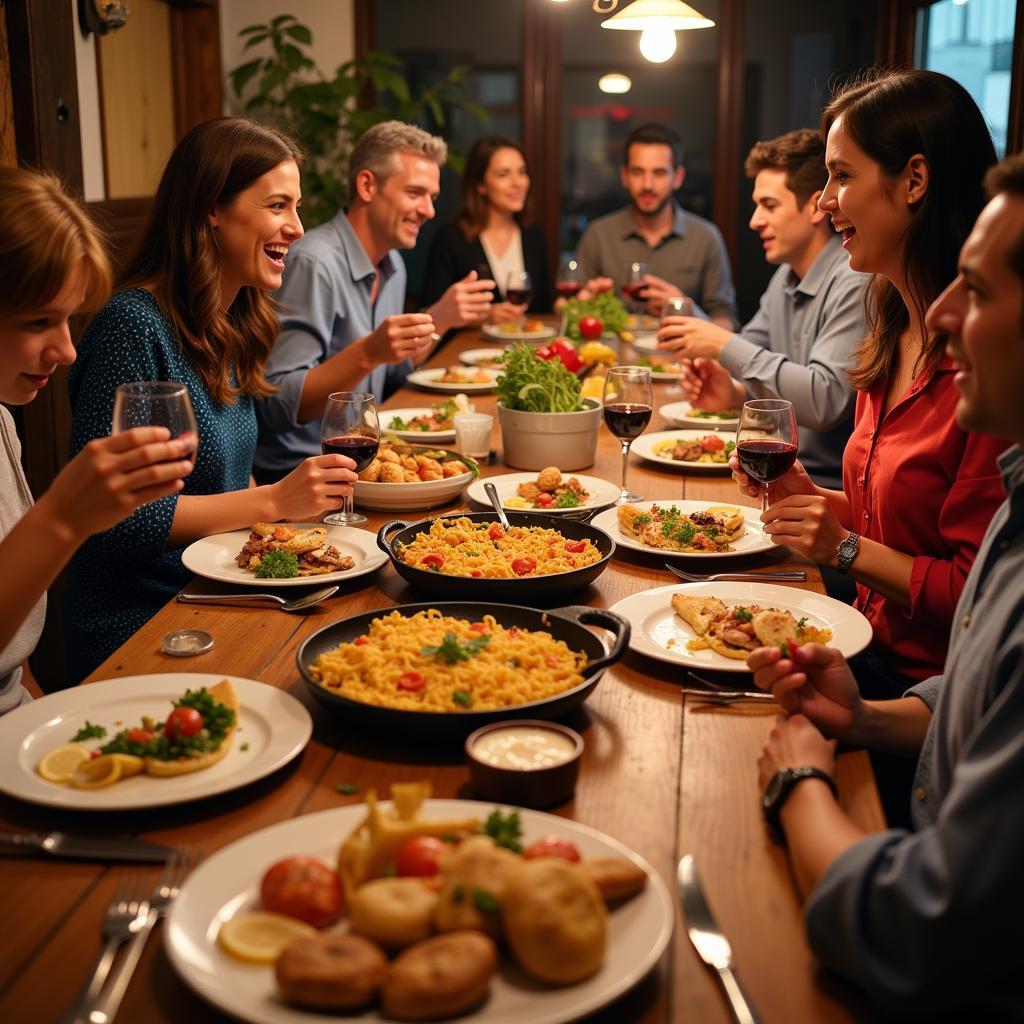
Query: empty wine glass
{"x": 634, "y": 285}
{"x": 628, "y": 404}
{"x": 518, "y": 291}
{"x": 569, "y": 280}
{"x": 766, "y": 441}
{"x": 676, "y": 305}
{"x": 351, "y": 427}
{"x": 155, "y": 403}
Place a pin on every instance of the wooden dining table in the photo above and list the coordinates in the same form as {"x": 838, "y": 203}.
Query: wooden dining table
{"x": 662, "y": 772}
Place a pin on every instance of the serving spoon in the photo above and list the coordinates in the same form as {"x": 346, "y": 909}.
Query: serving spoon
{"x": 492, "y": 493}
{"x": 293, "y": 604}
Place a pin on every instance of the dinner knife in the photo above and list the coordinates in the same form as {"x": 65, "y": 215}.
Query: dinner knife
{"x": 72, "y": 844}
{"x": 708, "y": 940}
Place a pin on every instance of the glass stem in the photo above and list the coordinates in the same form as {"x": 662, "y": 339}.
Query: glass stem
{"x": 625, "y": 463}
{"x": 764, "y": 499}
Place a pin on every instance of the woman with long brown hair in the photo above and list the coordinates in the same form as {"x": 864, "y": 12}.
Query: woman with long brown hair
{"x": 491, "y": 231}
{"x": 194, "y": 309}
{"x": 53, "y": 264}
{"x": 906, "y": 153}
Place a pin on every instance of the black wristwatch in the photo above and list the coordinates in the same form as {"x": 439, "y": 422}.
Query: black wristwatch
{"x": 848, "y": 549}
{"x": 782, "y": 784}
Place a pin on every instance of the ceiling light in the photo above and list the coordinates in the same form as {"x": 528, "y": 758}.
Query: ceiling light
{"x": 657, "y": 43}
{"x": 614, "y": 83}
{"x": 658, "y": 14}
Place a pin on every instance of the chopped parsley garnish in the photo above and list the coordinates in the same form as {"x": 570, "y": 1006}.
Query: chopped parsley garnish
{"x": 451, "y": 649}
{"x": 397, "y": 423}
{"x": 244, "y": 747}
{"x": 485, "y": 900}
{"x": 642, "y": 520}
{"x": 683, "y": 532}
{"x": 504, "y": 830}
{"x": 89, "y": 732}
{"x": 567, "y": 500}
{"x": 277, "y": 565}
{"x": 801, "y": 622}
{"x": 348, "y": 788}
{"x": 463, "y": 698}
{"x": 742, "y": 614}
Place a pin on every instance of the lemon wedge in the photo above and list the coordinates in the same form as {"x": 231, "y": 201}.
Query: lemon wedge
{"x": 593, "y": 387}
{"x": 259, "y": 937}
{"x": 61, "y": 763}
{"x": 97, "y": 774}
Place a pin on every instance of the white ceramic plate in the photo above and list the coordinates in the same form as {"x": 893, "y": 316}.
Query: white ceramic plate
{"x": 480, "y": 357}
{"x": 754, "y": 540}
{"x": 273, "y": 723}
{"x": 428, "y": 436}
{"x": 228, "y": 883}
{"x": 602, "y": 492}
{"x": 645, "y": 341}
{"x": 409, "y": 497}
{"x": 659, "y": 633}
{"x": 682, "y": 415}
{"x": 428, "y": 380}
{"x": 214, "y": 557}
{"x": 647, "y": 445}
{"x": 494, "y": 331}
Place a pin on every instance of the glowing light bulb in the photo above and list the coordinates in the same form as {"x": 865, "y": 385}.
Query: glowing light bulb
{"x": 657, "y": 43}
{"x": 614, "y": 83}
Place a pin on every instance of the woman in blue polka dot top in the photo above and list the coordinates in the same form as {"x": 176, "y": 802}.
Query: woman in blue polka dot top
{"x": 194, "y": 309}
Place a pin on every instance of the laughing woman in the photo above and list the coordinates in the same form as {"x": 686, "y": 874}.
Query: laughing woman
{"x": 194, "y": 308}
{"x": 52, "y": 252}
{"x": 906, "y": 153}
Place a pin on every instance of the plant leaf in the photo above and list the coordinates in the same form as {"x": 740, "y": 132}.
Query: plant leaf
{"x": 249, "y": 29}
{"x": 301, "y": 33}
{"x": 241, "y": 75}
{"x": 255, "y": 41}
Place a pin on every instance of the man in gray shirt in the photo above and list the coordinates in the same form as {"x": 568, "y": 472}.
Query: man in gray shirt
{"x": 928, "y": 921}
{"x": 341, "y": 301}
{"x": 803, "y": 337}
{"x": 683, "y": 253}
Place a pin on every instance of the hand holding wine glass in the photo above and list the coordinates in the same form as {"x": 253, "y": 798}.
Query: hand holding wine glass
{"x": 634, "y": 285}
{"x": 518, "y": 291}
{"x": 628, "y": 404}
{"x": 351, "y": 427}
{"x": 766, "y": 441}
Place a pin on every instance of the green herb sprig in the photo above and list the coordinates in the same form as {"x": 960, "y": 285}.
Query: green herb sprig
{"x": 451, "y": 649}
{"x": 277, "y": 565}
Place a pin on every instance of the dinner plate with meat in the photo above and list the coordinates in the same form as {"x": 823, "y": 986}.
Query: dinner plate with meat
{"x": 284, "y": 555}
{"x": 550, "y": 490}
{"x": 454, "y": 378}
{"x": 686, "y": 449}
{"x": 714, "y": 626}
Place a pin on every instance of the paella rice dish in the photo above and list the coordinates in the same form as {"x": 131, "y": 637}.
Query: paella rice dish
{"x": 434, "y": 662}
{"x": 461, "y": 547}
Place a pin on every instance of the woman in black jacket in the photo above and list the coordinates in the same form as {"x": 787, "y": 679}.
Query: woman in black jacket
{"x": 489, "y": 232}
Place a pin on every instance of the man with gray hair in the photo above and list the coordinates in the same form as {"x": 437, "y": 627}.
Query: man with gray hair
{"x": 341, "y": 300}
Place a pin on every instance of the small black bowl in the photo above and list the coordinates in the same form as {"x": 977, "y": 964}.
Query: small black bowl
{"x": 522, "y": 590}
{"x": 566, "y": 624}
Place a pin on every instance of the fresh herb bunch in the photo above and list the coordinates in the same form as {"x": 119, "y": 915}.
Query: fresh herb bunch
{"x": 89, "y": 732}
{"x": 277, "y": 565}
{"x": 606, "y": 307}
{"x": 532, "y": 384}
{"x": 505, "y": 830}
{"x": 451, "y": 649}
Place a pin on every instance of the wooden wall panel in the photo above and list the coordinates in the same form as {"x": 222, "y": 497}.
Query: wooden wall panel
{"x": 8, "y": 149}
{"x": 137, "y": 100}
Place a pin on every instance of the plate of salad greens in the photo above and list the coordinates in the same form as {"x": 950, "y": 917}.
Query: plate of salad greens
{"x": 424, "y": 423}
{"x": 215, "y": 558}
{"x": 520, "y": 491}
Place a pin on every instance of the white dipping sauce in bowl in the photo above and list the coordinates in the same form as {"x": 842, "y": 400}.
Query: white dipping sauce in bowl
{"x": 524, "y": 747}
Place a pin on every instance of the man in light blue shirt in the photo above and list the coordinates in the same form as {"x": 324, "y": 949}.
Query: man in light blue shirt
{"x": 927, "y": 921}
{"x": 802, "y": 340}
{"x": 341, "y": 301}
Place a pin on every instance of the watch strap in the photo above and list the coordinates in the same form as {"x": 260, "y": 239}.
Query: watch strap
{"x": 789, "y": 779}
{"x": 848, "y": 549}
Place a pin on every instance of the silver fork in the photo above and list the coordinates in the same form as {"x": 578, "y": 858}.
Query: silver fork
{"x": 104, "y": 1008}
{"x": 795, "y": 576}
{"x": 126, "y": 914}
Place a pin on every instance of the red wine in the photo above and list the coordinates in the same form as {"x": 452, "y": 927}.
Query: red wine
{"x": 627, "y": 421}
{"x": 567, "y": 289}
{"x": 765, "y": 460}
{"x": 359, "y": 448}
{"x": 519, "y": 296}
{"x": 634, "y": 289}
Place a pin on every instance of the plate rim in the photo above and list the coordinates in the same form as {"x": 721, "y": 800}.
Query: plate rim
{"x": 336, "y": 821}
{"x": 526, "y": 475}
{"x": 490, "y": 331}
{"x": 369, "y": 564}
{"x": 610, "y": 525}
{"x": 252, "y": 693}
{"x": 686, "y": 422}
{"x": 419, "y": 379}
{"x": 722, "y": 664}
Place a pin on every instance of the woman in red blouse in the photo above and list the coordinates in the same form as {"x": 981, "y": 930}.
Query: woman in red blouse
{"x": 906, "y": 153}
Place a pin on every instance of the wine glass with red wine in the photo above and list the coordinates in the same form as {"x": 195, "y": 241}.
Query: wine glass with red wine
{"x": 519, "y": 291}
{"x": 569, "y": 281}
{"x": 628, "y": 404}
{"x": 766, "y": 441}
{"x": 350, "y": 427}
{"x": 634, "y": 286}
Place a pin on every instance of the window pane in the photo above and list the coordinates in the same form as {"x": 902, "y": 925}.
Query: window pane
{"x": 972, "y": 42}
{"x": 681, "y": 93}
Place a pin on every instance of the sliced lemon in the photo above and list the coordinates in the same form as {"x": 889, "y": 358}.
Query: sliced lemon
{"x": 97, "y": 774}
{"x": 130, "y": 764}
{"x": 61, "y": 763}
{"x": 259, "y": 937}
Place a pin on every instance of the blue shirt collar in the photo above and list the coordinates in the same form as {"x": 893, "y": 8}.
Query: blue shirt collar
{"x": 357, "y": 260}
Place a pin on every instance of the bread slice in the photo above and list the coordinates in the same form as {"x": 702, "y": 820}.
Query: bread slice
{"x": 223, "y": 693}
{"x": 697, "y": 612}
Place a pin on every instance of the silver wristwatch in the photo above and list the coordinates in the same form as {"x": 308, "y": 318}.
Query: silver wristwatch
{"x": 848, "y": 549}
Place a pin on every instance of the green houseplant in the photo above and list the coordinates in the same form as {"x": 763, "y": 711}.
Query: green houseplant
{"x": 284, "y": 87}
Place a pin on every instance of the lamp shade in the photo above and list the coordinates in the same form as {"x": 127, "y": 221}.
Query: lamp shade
{"x": 670, "y": 14}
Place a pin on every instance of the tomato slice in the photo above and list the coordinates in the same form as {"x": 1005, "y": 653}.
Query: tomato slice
{"x": 553, "y": 846}
{"x": 411, "y": 681}
{"x": 139, "y": 736}
{"x": 496, "y": 531}
{"x": 432, "y": 561}
{"x": 419, "y": 857}
{"x": 524, "y": 566}
{"x": 361, "y": 640}
{"x": 575, "y": 546}
{"x": 545, "y": 500}
{"x": 712, "y": 443}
